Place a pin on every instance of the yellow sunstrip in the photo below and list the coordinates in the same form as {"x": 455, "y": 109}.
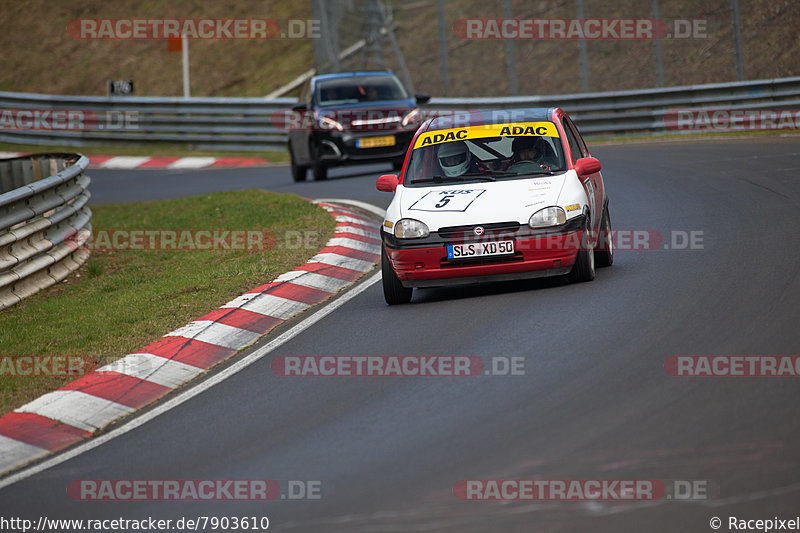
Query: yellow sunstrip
{"x": 514, "y": 129}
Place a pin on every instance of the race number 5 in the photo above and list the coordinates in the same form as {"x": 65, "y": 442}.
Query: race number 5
{"x": 444, "y": 201}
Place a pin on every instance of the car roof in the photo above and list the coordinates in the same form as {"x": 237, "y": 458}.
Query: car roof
{"x": 339, "y": 75}
{"x": 495, "y": 116}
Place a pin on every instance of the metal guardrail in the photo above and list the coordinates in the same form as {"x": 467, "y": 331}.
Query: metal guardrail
{"x": 254, "y": 124}
{"x": 43, "y": 201}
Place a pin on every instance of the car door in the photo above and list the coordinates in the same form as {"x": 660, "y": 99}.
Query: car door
{"x": 587, "y": 181}
{"x": 300, "y": 129}
{"x": 597, "y": 178}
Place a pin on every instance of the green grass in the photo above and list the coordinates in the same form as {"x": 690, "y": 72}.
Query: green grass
{"x": 121, "y": 300}
{"x": 154, "y": 150}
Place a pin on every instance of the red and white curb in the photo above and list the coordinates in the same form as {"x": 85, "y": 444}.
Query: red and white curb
{"x": 77, "y": 410}
{"x": 132, "y": 162}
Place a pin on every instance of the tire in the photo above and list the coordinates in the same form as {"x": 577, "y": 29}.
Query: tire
{"x": 604, "y": 253}
{"x": 583, "y": 269}
{"x": 393, "y": 291}
{"x": 318, "y": 168}
{"x": 298, "y": 171}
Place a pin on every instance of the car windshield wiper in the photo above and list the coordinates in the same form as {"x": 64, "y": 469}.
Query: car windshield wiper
{"x": 541, "y": 173}
{"x": 478, "y": 175}
{"x": 436, "y": 179}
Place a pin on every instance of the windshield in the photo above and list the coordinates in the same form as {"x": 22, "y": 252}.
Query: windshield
{"x": 363, "y": 89}
{"x": 473, "y": 154}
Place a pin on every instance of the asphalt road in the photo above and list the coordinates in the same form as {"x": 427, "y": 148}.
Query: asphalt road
{"x": 594, "y": 402}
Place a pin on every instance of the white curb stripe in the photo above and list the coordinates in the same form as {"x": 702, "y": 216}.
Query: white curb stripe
{"x": 150, "y": 367}
{"x": 341, "y": 261}
{"x": 267, "y": 304}
{"x": 14, "y": 452}
{"x": 354, "y": 220}
{"x": 357, "y": 231}
{"x": 9, "y": 155}
{"x": 77, "y": 409}
{"x": 314, "y": 280}
{"x": 124, "y": 162}
{"x": 216, "y": 333}
{"x": 193, "y": 162}
{"x": 355, "y": 244}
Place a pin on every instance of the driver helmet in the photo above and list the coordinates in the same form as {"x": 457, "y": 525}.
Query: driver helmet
{"x": 523, "y": 144}
{"x": 455, "y": 158}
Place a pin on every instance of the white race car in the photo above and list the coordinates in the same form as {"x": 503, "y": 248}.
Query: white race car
{"x": 492, "y": 196}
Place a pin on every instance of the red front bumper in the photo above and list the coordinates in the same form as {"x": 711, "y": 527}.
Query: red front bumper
{"x": 550, "y": 255}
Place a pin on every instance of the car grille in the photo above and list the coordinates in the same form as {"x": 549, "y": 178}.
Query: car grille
{"x": 468, "y": 232}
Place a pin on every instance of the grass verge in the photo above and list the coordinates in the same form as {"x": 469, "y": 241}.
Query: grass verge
{"x": 122, "y": 300}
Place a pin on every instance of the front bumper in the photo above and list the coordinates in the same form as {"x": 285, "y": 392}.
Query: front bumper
{"x": 339, "y": 147}
{"x": 537, "y": 253}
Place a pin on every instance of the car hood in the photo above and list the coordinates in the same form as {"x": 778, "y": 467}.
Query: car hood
{"x": 369, "y": 115}
{"x": 480, "y": 202}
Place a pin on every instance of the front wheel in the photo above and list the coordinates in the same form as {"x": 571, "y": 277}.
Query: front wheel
{"x": 604, "y": 254}
{"x": 318, "y": 168}
{"x": 393, "y": 291}
{"x": 583, "y": 269}
{"x": 298, "y": 171}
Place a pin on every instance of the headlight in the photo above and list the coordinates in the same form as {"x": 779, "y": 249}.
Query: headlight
{"x": 549, "y": 216}
{"x": 408, "y": 228}
{"x": 412, "y": 117}
{"x": 327, "y": 123}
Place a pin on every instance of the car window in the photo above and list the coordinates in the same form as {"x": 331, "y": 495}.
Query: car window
{"x": 584, "y": 149}
{"x": 574, "y": 147}
{"x": 362, "y": 89}
{"x": 485, "y": 158}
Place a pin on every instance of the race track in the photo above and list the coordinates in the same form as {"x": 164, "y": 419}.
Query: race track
{"x": 594, "y": 402}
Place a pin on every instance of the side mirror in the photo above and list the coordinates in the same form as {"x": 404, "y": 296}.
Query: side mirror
{"x": 587, "y": 165}
{"x": 422, "y": 98}
{"x": 387, "y": 183}
{"x": 300, "y": 106}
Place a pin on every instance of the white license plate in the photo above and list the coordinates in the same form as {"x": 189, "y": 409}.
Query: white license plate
{"x": 479, "y": 249}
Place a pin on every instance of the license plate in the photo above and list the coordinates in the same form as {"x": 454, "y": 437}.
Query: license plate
{"x": 479, "y": 249}
{"x": 375, "y": 142}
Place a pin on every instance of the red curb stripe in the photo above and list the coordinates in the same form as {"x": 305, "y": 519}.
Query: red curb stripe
{"x": 238, "y": 161}
{"x": 350, "y": 252}
{"x": 356, "y": 237}
{"x": 158, "y": 162}
{"x": 350, "y": 214}
{"x": 291, "y": 291}
{"x": 119, "y": 388}
{"x": 241, "y": 318}
{"x": 189, "y": 351}
{"x": 95, "y": 160}
{"x": 346, "y": 274}
{"x": 40, "y": 431}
